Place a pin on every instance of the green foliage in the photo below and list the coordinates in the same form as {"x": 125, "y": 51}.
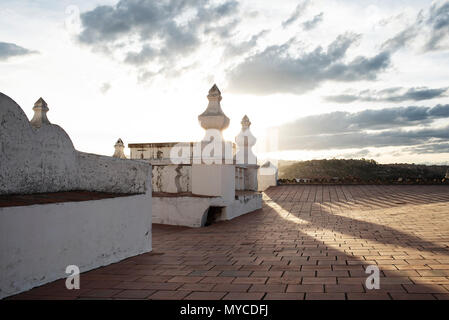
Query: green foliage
{"x": 362, "y": 170}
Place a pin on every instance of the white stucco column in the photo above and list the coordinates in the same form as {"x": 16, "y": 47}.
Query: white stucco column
{"x": 245, "y": 156}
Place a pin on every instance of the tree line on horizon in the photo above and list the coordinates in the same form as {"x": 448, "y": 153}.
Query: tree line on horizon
{"x": 360, "y": 171}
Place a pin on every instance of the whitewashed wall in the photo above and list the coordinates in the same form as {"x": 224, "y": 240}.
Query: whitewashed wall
{"x": 37, "y": 242}
{"x": 39, "y": 160}
{"x": 172, "y": 178}
{"x": 181, "y": 211}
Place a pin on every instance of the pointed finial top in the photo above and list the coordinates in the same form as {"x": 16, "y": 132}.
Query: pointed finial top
{"x": 40, "y": 113}
{"x": 245, "y": 122}
{"x": 119, "y": 146}
{"x": 40, "y": 103}
{"x": 213, "y": 117}
{"x": 214, "y": 90}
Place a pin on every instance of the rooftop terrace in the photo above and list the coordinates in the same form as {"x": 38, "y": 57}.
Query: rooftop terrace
{"x": 308, "y": 242}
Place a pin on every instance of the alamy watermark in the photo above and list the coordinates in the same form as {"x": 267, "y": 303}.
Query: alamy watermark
{"x": 373, "y": 280}
{"x": 73, "y": 280}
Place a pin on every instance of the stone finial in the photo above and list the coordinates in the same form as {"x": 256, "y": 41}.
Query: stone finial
{"x": 245, "y": 141}
{"x": 245, "y": 122}
{"x": 119, "y": 147}
{"x": 40, "y": 113}
{"x": 213, "y": 117}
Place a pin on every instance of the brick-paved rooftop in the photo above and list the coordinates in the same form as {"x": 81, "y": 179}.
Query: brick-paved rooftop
{"x": 308, "y": 242}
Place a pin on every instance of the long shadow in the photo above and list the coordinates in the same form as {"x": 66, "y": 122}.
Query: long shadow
{"x": 329, "y": 215}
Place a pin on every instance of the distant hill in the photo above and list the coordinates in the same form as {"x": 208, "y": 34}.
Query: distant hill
{"x": 359, "y": 171}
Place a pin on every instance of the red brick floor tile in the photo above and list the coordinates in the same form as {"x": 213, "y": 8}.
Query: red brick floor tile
{"x": 353, "y": 288}
{"x": 217, "y": 280}
{"x": 284, "y": 280}
{"x": 430, "y": 288}
{"x": 319, "y": 280}
{"x": 130, "y": 285}
{"x": 325, "y": 296}
{"x": 162, "y": 286}
{"x": 199, "y": 295}
{"x": 101, "y": 293}
{"x": 273, "y": 288}
{"x": 412, "y": 296}
{"x": 181, "y": 279}
{"x": 197, "y": 287}
{"x": 226, "y": 287}
{"x": 442, "y": 296}
{"x": 244, "y": 296}
{"x": 134, "y": 294}
{"x": 314, "y": 288}
{"x": 369, "y": 296}
{"x": 250, "y": 280}
{"x": 235, "y": 273}
{"x": 168, "y": 295}
{"x": 155, "y": 278}
{"x": 284, "y": 296}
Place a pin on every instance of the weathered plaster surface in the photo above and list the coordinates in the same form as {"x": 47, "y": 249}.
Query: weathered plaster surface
{"x": 214, "y": 180}
{"x": 101, "y": 173}
{"x": 172, "y": 178}
{"x": 33, "y": 159}
{"x": 243, "y": 204}
{"x": 39, "y": 160}
{"x": 192, "y": 211}
{"x": 180, "y": 211}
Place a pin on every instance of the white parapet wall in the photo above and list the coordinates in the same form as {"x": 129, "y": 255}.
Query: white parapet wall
{"x": 172, "y": 178}
{"x": 39, "y": 241}
{"x": 181, "y": 211}
{"x": 196, "y": 211}
{"x": 243, "y": 203}
{"x": 267, "y": 176}
{"x": 214, "y": 180}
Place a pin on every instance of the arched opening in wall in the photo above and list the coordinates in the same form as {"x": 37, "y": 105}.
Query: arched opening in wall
{"x": 213, "y": 215}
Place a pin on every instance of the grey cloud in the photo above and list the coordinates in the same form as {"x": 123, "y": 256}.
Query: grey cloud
{"x": 8, "y": 50}
{"x": 310, "y": 24}
{"x": 433, "y": 24}
{"x": 368, "y": 128}
{"x": 390, "y": 95}
{"x": 299, "y": 11}
{"x": 354, "y": 155}
{"x": 401, "y": 39}
{"x": 363, "y": 139}
{"x": 275, "y": 70}
{"x": 238, "y": 49}
{"x": 337, "y": 122}
{"x": 439, "y": 23}
{"x": 429, "y": 148}
{"x": 162, "y": 30}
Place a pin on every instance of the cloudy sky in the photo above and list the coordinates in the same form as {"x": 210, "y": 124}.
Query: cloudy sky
{"x": 322, "y": 78}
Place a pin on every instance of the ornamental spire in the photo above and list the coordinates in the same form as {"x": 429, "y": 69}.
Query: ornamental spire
{"x": 245, "y": 141}
{"x": 40, "y": 113}
{"x": 119, "y": 146}
{"x": 213, "y": 117}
